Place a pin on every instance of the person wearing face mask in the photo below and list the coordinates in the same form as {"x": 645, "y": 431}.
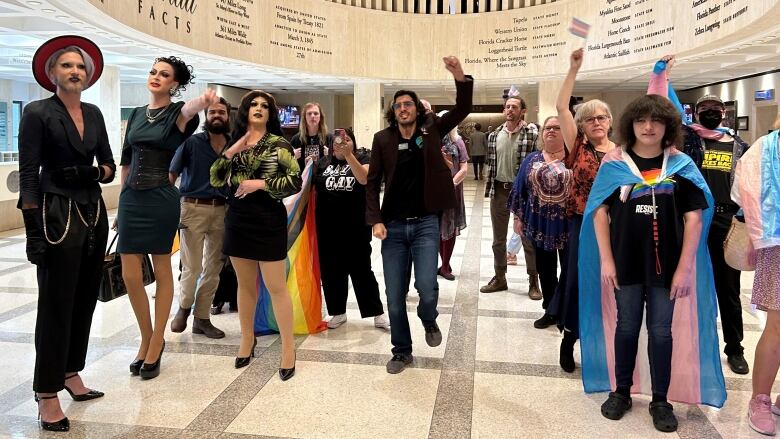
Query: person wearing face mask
{"x": 716, "y": 149}
{"x": 343, "y": 237}
{"x": 312, "y": 139}
{"x": 202, "y": 220}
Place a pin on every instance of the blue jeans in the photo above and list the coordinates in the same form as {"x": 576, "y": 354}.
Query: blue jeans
{"x": 630, "y": 301}
{"x": 410, "y": 242}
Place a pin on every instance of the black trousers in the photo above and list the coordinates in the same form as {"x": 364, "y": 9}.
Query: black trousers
{"x": 479, "y": 162}
{"x": 68, "y": 285}
{"x": 346, "y": 255}
{"x": 547, "y": 267}
{"x": 728, "y": 290}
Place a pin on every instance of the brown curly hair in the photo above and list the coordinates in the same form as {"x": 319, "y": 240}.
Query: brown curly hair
{"x": 657, "y": 107}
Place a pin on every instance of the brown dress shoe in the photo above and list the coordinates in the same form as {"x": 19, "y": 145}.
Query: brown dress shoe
{"x": 533, "y": 288}
{"x": 495, "y": 284}
{"x": 179, "y": 322}
{"x": 204, "y": 326}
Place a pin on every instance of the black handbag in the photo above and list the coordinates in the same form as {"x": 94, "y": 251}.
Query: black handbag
{"x": 112, "y": 285}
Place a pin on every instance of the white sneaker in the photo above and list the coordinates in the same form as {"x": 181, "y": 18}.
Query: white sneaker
{"x": 381, "y": 322}
{"x": 337, "y": 321}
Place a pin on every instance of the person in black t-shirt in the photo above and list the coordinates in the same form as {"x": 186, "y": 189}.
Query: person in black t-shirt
{"x": 716, "y": 150}
{"x": 647, "y": 235}
{"x": 343, "y": 237}
{"x": 312, "y": 139}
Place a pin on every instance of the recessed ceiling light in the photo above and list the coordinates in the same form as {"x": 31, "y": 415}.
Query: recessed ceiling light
{"x": 48, "y": 11}
{"x": 63, "y": 17}
{"x": 34, "y": 3}
{"x": 76, "y": 22}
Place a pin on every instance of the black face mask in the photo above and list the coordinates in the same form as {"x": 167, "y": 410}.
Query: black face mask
{"x": 711, "y": 119}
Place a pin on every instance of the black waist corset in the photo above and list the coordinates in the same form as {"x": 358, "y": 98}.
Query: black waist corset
{"x": 149, "y": 168}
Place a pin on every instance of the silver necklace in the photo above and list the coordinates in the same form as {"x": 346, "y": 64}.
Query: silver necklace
{"x": 153, "y": 119}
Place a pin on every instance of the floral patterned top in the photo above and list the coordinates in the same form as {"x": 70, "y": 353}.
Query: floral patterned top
{"x": 584, "y": 162}
{"x": 539, "y": 197}
{"x": 271, "y": 159}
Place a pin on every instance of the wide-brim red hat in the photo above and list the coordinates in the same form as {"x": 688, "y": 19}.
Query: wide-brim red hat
{"x": 49, "y": 48}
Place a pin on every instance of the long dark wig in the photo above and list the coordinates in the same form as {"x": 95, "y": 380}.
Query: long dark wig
{"x": 241, "y": 122}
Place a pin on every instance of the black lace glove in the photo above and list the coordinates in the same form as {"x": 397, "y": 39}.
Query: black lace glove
{"x": 75, "y": 175}
{"x": 36, "y": 241}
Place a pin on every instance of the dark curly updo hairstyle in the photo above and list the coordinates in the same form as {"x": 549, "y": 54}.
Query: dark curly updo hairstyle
{"x": 655, "y": 107}
{"x": 241, "y": 122}
{"x": 182, "y": 73}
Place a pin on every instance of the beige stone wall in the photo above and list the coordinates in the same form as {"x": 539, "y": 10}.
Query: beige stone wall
{"x": 332, "y": 38}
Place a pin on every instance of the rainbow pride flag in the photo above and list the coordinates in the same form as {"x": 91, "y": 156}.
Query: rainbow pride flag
{"x": 303, "y": 267}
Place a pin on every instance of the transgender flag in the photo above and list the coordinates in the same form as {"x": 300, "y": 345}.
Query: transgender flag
{"x": 303, "y": 267}
{"x": 579, "y": 28}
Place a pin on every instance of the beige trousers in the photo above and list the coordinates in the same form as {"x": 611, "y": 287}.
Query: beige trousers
{"x": 201, "y": 252}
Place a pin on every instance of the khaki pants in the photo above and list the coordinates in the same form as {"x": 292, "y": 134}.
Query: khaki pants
{"x": 201, "y": 251}
{"x": 499, "y": 218}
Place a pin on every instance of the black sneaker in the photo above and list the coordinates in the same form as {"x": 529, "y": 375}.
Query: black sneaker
{"x": 738, "y": 364}
{"x": 545, "y": 322}
{"x": 433, "y": 335}
{"x": 398, "y": 363}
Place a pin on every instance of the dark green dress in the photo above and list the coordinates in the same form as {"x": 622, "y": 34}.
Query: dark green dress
{"x": 148, "y": 215}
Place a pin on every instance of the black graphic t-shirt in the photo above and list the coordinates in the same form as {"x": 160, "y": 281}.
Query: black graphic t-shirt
{"x": 716, "y": 169}
{"x": 406, "y": 200}
{"x": 631, "y": 227}
{"x": 313, "y": 146}
{"x": 340, "y": 198}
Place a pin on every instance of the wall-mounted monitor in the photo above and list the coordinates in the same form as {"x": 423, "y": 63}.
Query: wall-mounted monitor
{"x": 688, "y": 113}
{"x": 289, "y": 116}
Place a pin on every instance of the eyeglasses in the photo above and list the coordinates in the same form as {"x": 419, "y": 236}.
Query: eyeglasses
{"x": 552, "y": 128}
{"x": 405, "y": 104}
{"x": 601, "y": 118}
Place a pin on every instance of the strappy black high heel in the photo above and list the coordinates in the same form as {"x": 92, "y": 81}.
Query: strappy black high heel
{"x": 61, "y": 425}
{"x": 92, "y": 394}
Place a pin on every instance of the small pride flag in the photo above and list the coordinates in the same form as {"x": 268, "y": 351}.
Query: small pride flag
{"x": 579, "y": 28}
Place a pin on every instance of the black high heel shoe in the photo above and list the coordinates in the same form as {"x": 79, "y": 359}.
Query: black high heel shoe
{"x": 61, "y": 425}
{"x": 286, "y": 374}
{"x": 149, "y": 371}
{"x": 244, "y": 361}
{"x": 91, "y": 394}
{"x": 135, "y": 367}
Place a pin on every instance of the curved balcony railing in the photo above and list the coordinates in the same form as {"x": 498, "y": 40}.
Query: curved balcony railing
{"x": 442, "y": 6}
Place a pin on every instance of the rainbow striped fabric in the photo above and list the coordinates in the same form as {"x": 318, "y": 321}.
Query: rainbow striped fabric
{"x": 303, "y": 267}
{"x": 697, "y": 377}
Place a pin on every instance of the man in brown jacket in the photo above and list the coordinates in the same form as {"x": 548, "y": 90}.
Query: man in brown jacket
{"x": 407, "y": 157}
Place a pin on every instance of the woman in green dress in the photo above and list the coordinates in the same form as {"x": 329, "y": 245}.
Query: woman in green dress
{"x": 148, "y": 213}
{"x": 261, "y": 170}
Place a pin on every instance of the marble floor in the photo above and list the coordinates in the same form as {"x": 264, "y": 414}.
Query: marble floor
{"x": 494, "y": 375}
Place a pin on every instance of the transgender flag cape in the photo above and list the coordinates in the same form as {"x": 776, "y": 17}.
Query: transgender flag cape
{"x": 697, "y": 377}
{"x": 303, "y": 267}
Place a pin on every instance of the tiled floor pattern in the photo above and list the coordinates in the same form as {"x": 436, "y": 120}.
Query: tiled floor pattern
{"x": 494, "y": 376}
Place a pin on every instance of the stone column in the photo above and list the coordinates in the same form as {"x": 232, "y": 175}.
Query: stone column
{"x": 105, "y": 94}
{"x": 367, "y": 119}
{"x": 548, "y": 94}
